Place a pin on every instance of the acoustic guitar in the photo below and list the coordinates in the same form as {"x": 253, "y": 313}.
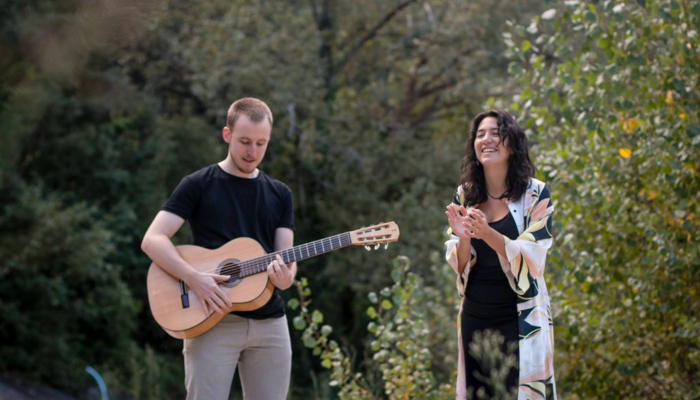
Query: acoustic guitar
{"x": 178, "y": 310}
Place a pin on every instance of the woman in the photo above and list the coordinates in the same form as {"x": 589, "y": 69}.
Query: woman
{"x": 500, "y": 225}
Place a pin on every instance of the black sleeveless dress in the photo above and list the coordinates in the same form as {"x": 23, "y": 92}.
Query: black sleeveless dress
{"x": 489, "y": 303}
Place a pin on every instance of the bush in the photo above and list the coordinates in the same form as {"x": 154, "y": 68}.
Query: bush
{"x": 610, "y": 96}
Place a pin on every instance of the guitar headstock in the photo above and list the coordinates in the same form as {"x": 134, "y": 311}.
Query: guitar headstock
{"x": 383, "y": 233}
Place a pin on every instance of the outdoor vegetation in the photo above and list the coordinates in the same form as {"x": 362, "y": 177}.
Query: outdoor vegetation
{"x": 106, "y": 104}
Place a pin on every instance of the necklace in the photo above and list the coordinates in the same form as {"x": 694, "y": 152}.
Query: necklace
{"x": 494, "y": 197}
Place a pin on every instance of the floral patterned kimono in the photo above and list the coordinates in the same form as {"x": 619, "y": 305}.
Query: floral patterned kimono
{"x": 524, "y": 269}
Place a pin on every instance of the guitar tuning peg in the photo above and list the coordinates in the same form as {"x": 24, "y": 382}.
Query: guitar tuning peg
{"x": 368, "y": 248}
{"x": 386, "y": 245}
{"x": 376, "y": 246}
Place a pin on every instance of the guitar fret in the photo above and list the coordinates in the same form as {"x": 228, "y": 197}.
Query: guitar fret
{"x": 259, "y": 264}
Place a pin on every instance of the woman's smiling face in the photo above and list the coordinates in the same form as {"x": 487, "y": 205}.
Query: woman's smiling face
{"x": 489, "y": 148}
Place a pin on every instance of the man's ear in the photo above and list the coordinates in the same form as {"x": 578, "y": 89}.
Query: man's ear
{"x": 226, "y": 134}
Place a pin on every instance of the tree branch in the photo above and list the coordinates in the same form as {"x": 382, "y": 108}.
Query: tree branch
{"x": 371, "y": 34}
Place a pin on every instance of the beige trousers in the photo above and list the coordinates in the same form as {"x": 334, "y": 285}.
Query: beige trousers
{"x": 261, "y": 348}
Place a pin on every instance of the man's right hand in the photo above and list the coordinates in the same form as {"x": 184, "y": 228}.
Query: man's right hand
{"x": 206, "y": 288}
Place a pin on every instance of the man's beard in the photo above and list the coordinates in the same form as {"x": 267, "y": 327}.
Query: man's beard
{"x": 242, "y": 168}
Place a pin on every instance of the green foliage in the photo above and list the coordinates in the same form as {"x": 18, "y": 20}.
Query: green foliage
{"x": 610, "y": 96}
{"x": 401, "y": 331}
{"x": 486, "y": 349}
{"x": 104, "y": 108}
{"x": 59, "y": 297}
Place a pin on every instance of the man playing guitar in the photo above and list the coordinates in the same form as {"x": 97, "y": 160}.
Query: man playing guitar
{"x": 223, "y": 202}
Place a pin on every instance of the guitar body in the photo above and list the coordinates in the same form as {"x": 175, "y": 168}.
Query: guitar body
{"x": 247, "y": 294}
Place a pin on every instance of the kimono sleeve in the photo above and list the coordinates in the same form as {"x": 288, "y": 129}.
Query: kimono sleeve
{"x": 527, "y": 254}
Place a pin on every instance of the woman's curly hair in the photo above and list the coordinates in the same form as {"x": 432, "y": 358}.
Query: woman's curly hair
{"x": 520, "y": 168}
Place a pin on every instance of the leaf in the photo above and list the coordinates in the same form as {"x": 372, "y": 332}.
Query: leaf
{"x": 372, "y": 327}
{"x": 371, "y": 312}
{"x": 372, "y": 297}
{"x": 326, "y": 330}
{"x": 395, "y": 276}
{"x": 386, "y": 304}
{"x": 293, "y": 304}
{"x": 549, "y": 14}
{"x": 532, "y": 28}
{"x": 299, "y": 322}
{"x": 515, "y": 69}
{"x": 525, "y": 46}
{"x": 309, "y": 342}
{"x": 630, "y": 124}
{"x": 316, "y": 317}
{"x": 603, "y": 43}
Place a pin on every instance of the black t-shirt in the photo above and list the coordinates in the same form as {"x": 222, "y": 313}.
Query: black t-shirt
{"x": 221, "y": 207}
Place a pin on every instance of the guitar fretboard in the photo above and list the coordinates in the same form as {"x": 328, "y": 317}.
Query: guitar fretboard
{"x": 296, "y": 253}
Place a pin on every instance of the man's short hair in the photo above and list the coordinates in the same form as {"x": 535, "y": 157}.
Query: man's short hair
{"x": 256, "y": 110}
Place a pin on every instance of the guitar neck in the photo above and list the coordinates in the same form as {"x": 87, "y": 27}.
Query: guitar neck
{"x": 296, "y": 253}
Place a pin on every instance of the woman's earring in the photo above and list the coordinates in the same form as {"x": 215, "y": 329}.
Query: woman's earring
{"x": 477, "y": 163}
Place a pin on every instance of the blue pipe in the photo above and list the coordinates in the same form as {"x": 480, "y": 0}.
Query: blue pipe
{"x": 100, "y": 382}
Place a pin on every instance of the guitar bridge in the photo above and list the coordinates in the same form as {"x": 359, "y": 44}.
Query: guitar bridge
{"x": 184, "y": 297}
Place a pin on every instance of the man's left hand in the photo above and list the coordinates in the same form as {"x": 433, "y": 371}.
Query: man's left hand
{"x": 280, "y": 273}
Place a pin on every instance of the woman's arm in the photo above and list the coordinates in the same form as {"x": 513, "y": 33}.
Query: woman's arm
{"x": 527, "y": 254}
{"x": 463, "y": 247}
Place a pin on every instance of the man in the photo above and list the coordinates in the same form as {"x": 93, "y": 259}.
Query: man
{"x": 222, "y": 202}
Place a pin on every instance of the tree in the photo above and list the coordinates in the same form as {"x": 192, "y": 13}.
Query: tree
{"x": 610, "y": 96}
{"x": 104, "y": 108}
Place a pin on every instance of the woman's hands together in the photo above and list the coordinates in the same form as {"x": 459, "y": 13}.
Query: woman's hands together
{"x": 471, "y": 224}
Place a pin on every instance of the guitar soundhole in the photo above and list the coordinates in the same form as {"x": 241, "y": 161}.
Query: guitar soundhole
{"x": 230, "y": 267}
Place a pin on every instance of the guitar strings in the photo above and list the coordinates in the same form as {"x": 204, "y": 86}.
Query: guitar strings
{"x": 250, "y": 267}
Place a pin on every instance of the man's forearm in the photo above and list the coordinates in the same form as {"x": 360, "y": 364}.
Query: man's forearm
{"x": 161, "y": 250}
